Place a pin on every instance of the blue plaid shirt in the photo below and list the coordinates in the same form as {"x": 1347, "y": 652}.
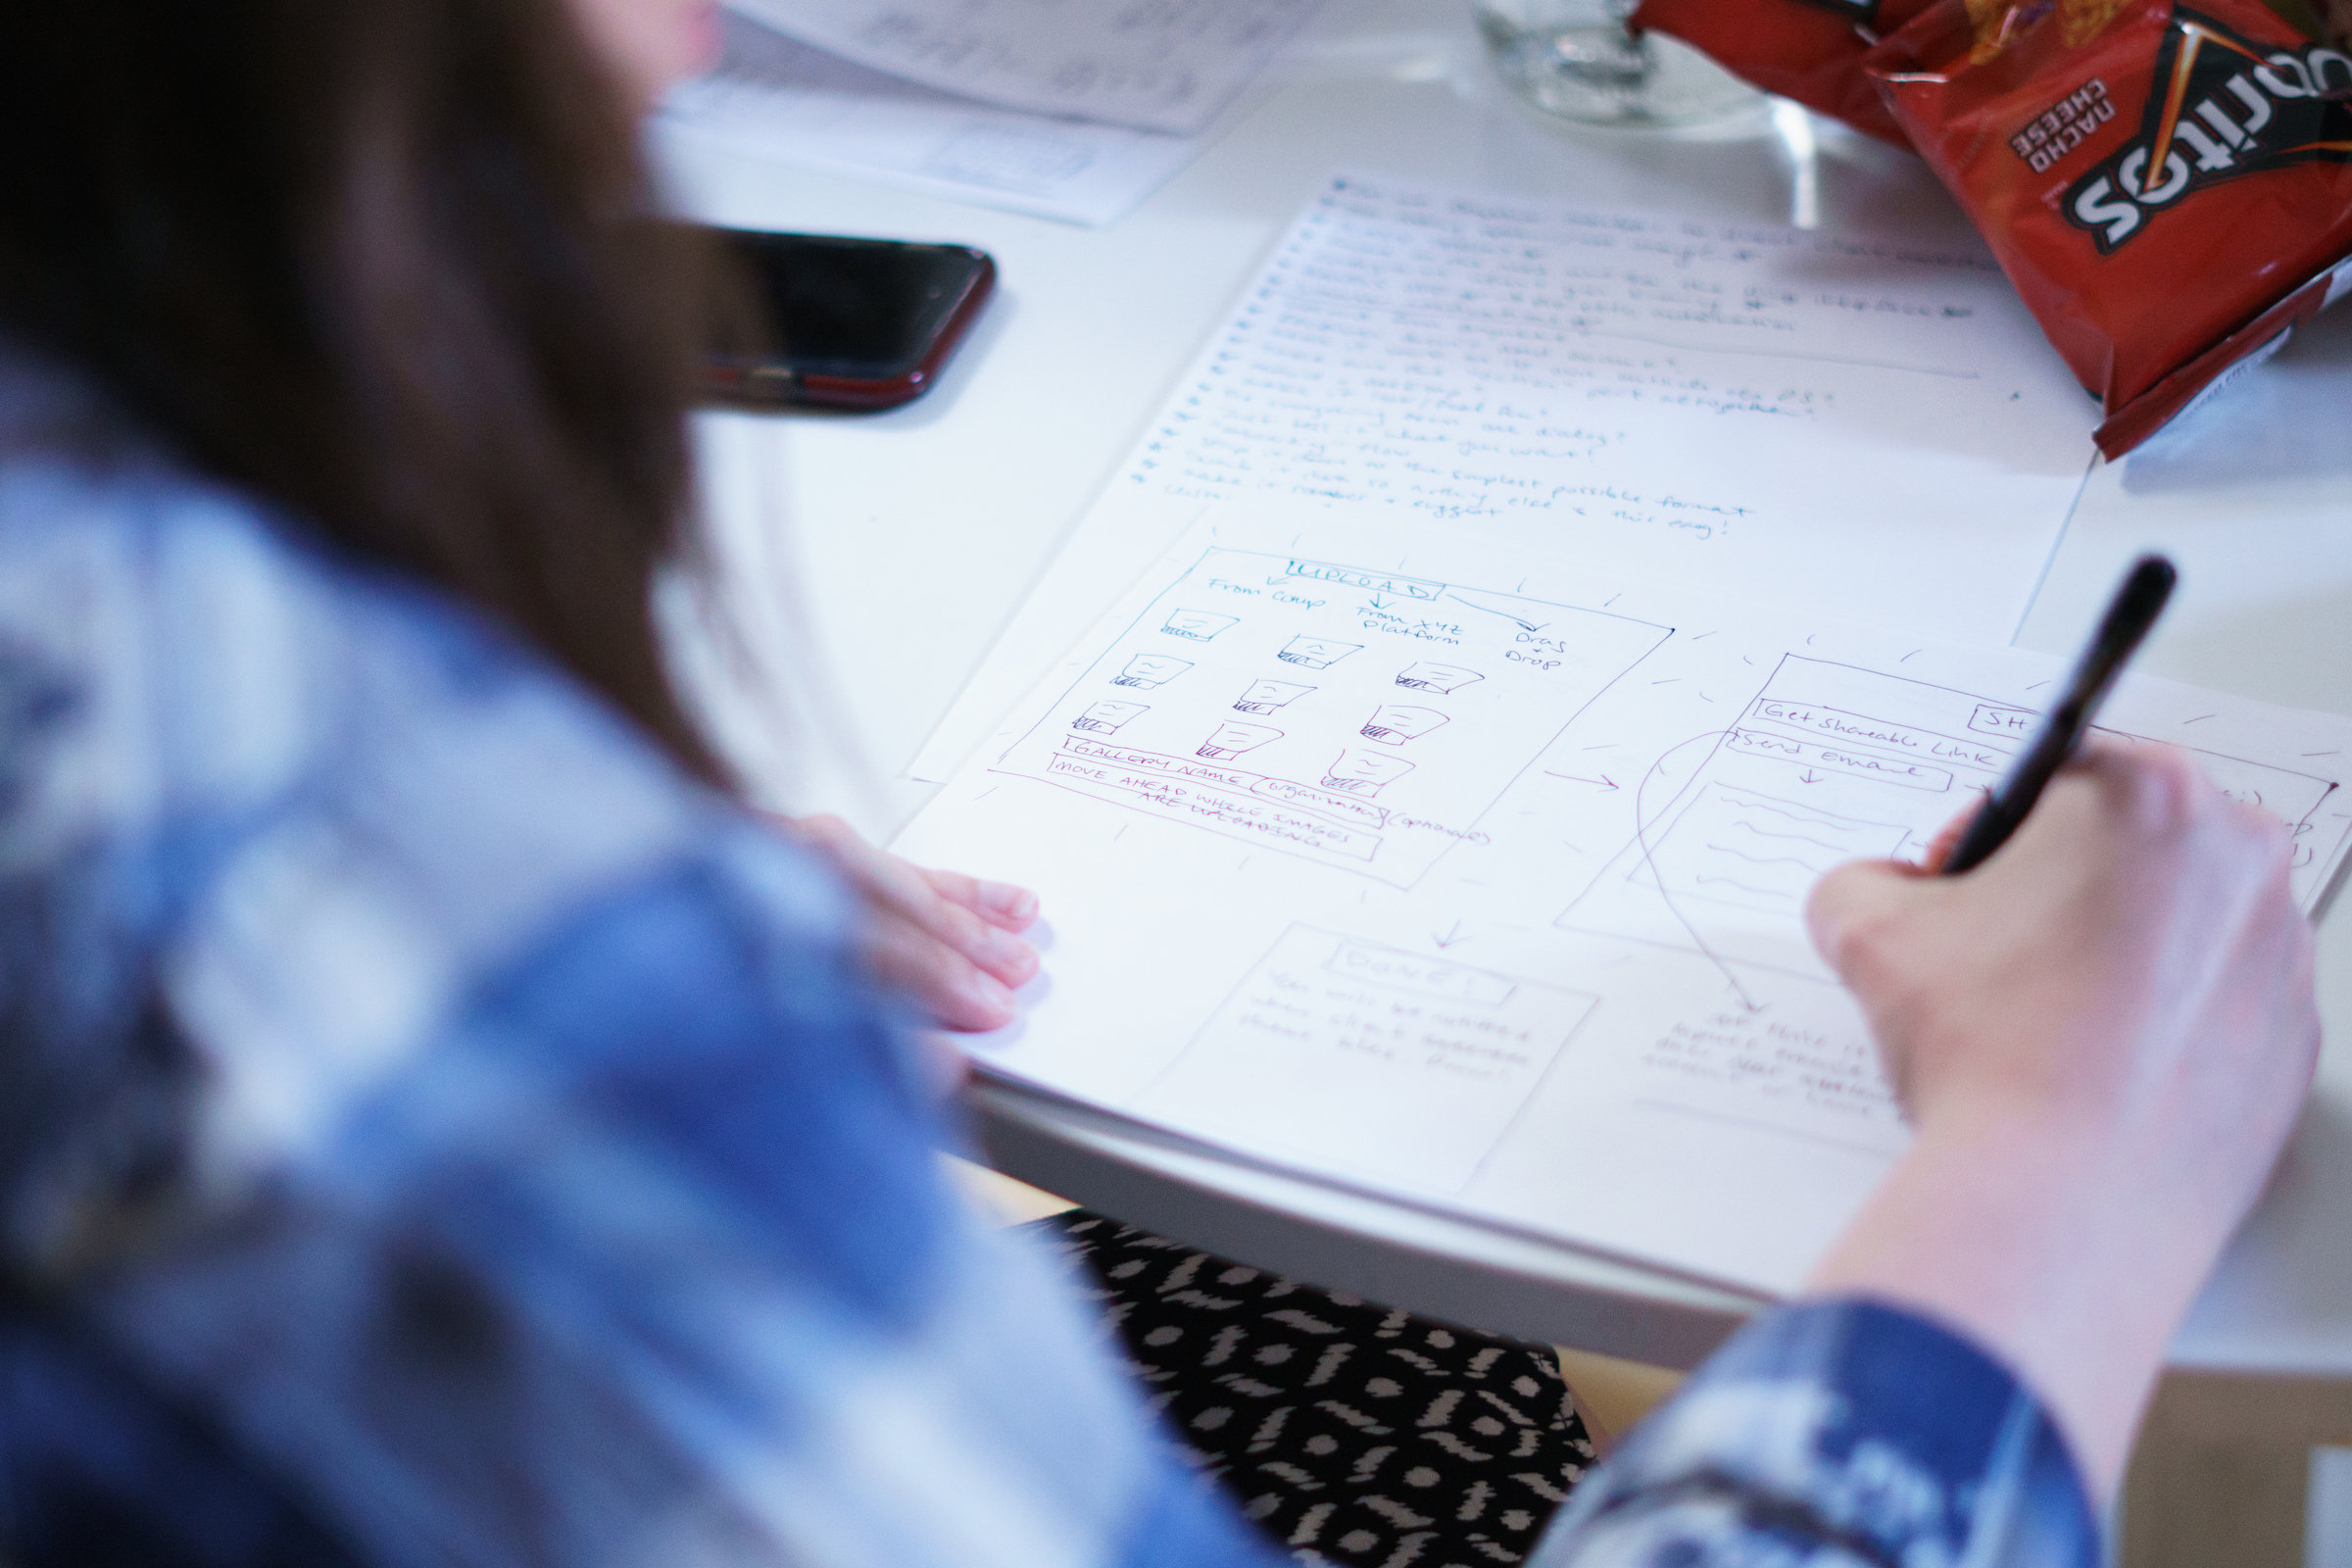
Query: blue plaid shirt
{"x": 432, "y": 1131}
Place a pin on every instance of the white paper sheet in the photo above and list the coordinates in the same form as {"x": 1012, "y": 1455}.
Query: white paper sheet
{"x": 1474, "y": 874}
{"x": 1827, "y": 419}
{"x": 1166, "y": 66}
{"x": 779, "y": 97}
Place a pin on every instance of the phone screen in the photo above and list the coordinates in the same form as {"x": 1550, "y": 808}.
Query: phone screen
{"x": 861, "y": 310}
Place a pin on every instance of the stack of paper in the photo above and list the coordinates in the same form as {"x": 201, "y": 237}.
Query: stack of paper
{"x": 1067, "y": 109}
{"x": 1475, "y": 875}
{"x": 1533, "y": 603}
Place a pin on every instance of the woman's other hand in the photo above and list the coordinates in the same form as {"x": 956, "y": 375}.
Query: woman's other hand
{"x": 2102, "y": 1036}
{"x": 951, "y": 942}
{"x": 650, "y": 45}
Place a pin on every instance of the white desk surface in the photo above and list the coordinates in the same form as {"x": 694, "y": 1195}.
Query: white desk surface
{"x": 899, "y": 545}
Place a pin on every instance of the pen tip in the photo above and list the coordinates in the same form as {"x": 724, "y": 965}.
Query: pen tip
{"x": 2148, "y": 586}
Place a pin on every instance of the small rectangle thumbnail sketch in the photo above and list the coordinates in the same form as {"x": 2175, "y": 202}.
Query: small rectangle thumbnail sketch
{"x": 1229, "y": 739}
{"x": 1356, "y": 717}
{"x": 1266, "y": 696}
{"x": 1829, "y": 762}
{"x": 1104, "y": 718}
{"x": 1364, "y": 772}
{"x": 1390, "y": 1063}
{"x": 1150, "y": 670}
{"x": 1195, "y": 625}
{"x": 1316, "y": 653}
{"x": 1393, "y": 724}
{"x": 1438, "y": 677}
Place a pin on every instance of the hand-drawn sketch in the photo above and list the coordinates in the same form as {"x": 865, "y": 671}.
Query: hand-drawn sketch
{"x": 1316, "y": 653}
{"x": 1266, "y": 696}
{"x": 1363, "y": 772}
{"x": 1150, "y": 670}
{"x": 1197, "y": 624}
{"x": 1428, "y": 677}
{"x": 1182, "y": 759}
{"x": 1782, "y": 848}
{"x": 1392, "y": 724}
{"x": 1231, "y": 740}
{"x": 1417, "y": 1065}
{"x": 1106, "y": 717}
{"x": 1829, "y": 762}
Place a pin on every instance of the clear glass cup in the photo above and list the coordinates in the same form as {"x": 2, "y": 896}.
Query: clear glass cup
{"x": 1578, "y": 60}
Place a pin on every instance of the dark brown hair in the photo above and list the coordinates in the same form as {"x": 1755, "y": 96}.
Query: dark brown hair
{"x": 374, "y": 261}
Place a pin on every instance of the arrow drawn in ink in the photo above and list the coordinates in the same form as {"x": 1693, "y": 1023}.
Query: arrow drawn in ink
{"x": 1806, "y": 777}
{"x": 1644, "y": 821}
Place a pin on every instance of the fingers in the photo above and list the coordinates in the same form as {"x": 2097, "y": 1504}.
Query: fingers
{"x": 1852, "y": 905}
{"x": 1000, "y": 903}
{"x": 948, "y": 986}
{"x": 946, "y": 940}
{"x": 1859, "y": 918}
{"x": 2095, "y": 754}
{"x": 896, "y": 889}
{"x": 2151, "y": 788}
{"x": 990, "y": 948}
{"x": 1947, "y": 838}
{"x": 2160, "y": 802}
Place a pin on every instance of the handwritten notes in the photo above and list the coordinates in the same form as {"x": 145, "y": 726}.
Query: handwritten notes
{"x": 774, "y": 95}
{"x": 1769, "y": 1068}
{"x": 1169, "y": 66}
{"x": 1461, "y": 871}
{"x": 1461, "y": 356}
{"x": 1417, "y": 1064}
{"x": 1811, "y": 420}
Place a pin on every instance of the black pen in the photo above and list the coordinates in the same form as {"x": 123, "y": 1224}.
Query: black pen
{"x": 2133, "y": 610}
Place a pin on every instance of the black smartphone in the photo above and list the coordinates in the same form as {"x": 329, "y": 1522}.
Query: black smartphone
{"x": 851, "y": 324}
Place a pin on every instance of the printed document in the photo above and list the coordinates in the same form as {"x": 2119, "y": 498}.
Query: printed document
{"x": 1830, "y": 420}
{"x": 1462, "y": 868}
{"x": 1169, "y": 66}
{"x": 777, "y": 96}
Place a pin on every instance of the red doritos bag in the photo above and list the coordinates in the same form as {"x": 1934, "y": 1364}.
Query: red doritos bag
{"x": 2169, "y": 185}
{"x": 1808, "y": 49}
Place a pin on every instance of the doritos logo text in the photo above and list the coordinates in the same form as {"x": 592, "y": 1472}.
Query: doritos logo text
{"x": 2219, "y": 107}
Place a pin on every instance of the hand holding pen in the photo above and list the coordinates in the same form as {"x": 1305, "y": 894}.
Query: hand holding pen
{"x": 2100, "y": 1038}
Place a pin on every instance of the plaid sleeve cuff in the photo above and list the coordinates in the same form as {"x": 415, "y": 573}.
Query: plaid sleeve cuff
{"x": 1831, "y": 1433}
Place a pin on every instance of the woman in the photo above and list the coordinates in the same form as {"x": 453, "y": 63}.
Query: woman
{"x": 437, "y": 1125}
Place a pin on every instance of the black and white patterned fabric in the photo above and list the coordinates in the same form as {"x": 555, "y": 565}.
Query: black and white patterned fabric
{"x": 1354, "y": 1434}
